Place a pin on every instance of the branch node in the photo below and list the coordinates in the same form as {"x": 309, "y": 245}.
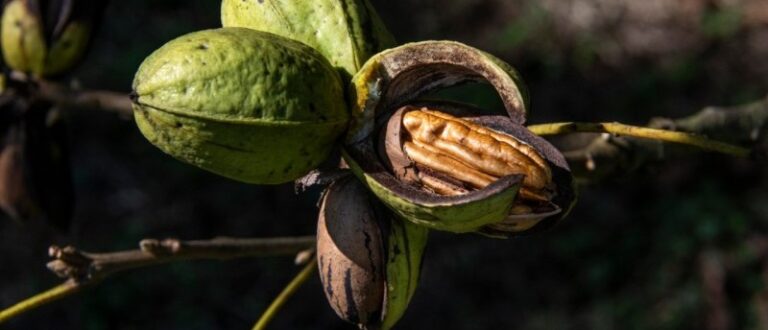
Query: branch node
{"x": 70, "y": 263}
{"x": 133, "y": 96}
{"x": 156, "y": 247}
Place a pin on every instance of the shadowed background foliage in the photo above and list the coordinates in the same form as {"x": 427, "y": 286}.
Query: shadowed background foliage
{"x": 683, "y": 245}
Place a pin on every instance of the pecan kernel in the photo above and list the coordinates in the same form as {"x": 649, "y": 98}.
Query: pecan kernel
{"x": 472, "y": 154}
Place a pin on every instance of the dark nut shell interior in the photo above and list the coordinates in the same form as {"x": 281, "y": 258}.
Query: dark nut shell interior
{"x": 400, "y": 75}
{"x": 416, "y": 71}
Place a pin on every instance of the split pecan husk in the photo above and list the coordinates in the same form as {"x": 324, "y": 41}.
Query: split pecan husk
{"x": 446, "y": 165}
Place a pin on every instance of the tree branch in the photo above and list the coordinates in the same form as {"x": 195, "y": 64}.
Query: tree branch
{"x": 656, "y": 134}
{"x": 83, "y": 269}
{"x": 598, "y": 156}
{"x": 66, "y": 97}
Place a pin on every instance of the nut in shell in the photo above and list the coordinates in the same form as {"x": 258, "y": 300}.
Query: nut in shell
{"x": 48, "y": 38}
{"x": 445, "y": 165}
{"x": 351, "y": 253}
{"x": 245, "y": 104}
{"x": 450, "y": 156}
{"x": 369, "y": 261}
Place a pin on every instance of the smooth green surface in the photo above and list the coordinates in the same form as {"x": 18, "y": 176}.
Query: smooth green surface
{"x": 459, "y": 218}
{"x": 23, "y": 44}
{"x": 347, "y": 32}
{"x": 406, "y": 245}
{"x": 25, "y": 48}
{"x": 67, "y": 50}
{"x": 248, "y": 105}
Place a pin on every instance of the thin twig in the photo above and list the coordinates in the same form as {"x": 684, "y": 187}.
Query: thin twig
{"x": 83, "y": 269}
{"x": 60, "y": 291}
{"x": 70, "y": 97}
{"x": 640, "y": 132}
{"x": 286, "y": 294}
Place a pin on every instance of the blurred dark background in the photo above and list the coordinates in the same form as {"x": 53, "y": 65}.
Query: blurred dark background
{"x": 680, "y": 246}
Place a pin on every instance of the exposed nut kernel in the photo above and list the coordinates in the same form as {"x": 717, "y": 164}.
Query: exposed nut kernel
{"x": 471, "y": 154}
{"x": 450, "y": 156}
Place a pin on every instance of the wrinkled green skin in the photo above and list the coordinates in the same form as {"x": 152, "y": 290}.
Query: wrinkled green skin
{"x": 347, "y": 32}
{"x": 248, "y": 105}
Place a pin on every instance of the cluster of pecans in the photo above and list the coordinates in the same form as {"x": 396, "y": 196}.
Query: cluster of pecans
{"x": 430, "y": 164}
{"x": 261, "y": 103}
{"x": 274, "y": 94}
{"x": 271, "y": 96}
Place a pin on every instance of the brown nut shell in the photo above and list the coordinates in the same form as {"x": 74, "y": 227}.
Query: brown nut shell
{"x": 350, "y": 253}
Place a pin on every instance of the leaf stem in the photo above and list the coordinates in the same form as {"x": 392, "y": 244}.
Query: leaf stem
{"x": 286, "y": 294}
{"x": 58, "y": 292}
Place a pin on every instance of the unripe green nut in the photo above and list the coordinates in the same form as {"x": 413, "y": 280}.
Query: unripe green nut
{"x": 47, "y": 38}
{"x": 68, "y": 49}
{"x": 347, "y": 32}
{"x": 23, "y": 44}
{"x": 245, "y": 104}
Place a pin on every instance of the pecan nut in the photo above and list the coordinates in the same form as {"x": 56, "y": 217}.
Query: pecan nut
{"x": 369, "y": 261}
{"x": 452, "y": 156}
{"x": 245, "y": 104}
{"x": 48, "y": 38}
{"x": 442, "y": 164}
